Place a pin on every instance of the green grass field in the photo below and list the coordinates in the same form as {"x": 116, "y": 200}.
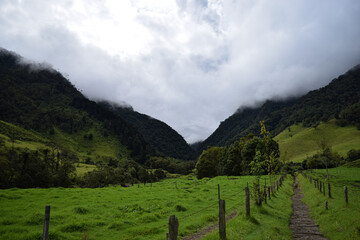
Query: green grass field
{"x": 341, "y": 220}
{"x": 300, "y": 142}
{"x": 269, "y": 221}
{"x": 135, "y": 213}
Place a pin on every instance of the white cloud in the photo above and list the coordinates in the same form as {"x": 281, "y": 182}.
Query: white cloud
{"x": 189, "y": 63}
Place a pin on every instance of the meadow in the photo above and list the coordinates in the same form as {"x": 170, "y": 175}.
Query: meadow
{"x": 140, "y": 212}
{"x": 341, "y": 220}
{"x": 299, "y": 142}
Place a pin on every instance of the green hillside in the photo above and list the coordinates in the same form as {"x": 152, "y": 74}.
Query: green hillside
{"x": 340, "y": 99}
{"x": 43, "y": 101}
{"x": 297, "y": 141}
{"x": 157, "y": 133}
{"x": 98, "y": 148}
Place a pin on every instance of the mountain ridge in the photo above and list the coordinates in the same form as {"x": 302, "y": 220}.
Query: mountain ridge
{"x": 317, "y": 105}
{"x": 40, "y": 98}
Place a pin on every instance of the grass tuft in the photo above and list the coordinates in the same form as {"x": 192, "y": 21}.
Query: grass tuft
{"x": 180, "y": 208}
{"x": 81, "y": 210}
{"x": 75, "y": 227}
{"x": 35, "y": 219}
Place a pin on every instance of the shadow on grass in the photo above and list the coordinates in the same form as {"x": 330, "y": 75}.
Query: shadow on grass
{"x": 254, "y": 221}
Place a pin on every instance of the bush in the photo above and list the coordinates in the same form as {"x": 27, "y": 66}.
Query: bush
{"x": 353, "y": 155}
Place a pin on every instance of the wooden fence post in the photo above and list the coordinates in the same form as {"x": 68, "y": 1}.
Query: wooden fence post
{"x": 265, "y": 195}
{"x": 329, "y": 190}
{"x": 326, "y": 205}
{"x": 173, "y": 228}
{"x": 346, "y": 194}
{"x": 315, "y": 182}
{"x": 247, "y": 202}
{"x": 320, "y": 186}
{"x": 46, "y": 223}
{"x": 218, "y": 191}
{"x": 222, "y": 222}
{"x": 269, "y": 193}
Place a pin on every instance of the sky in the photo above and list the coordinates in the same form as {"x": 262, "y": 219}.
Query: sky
{"x": 189, "y": 63}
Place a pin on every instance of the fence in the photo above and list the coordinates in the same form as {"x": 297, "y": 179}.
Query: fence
{"x": 321, "y": 186}
{"x": 174, "y": 222}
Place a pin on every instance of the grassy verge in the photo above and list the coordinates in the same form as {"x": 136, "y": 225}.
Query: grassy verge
{"x": 269, "y": 221}
{"x": 341, "y": 221}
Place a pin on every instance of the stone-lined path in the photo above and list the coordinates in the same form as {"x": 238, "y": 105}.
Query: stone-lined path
{"x": 301, "y": 225}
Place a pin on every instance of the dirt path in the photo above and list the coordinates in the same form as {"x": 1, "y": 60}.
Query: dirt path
{"x": 205, "y": 231}
{"x": 301, "y": 225}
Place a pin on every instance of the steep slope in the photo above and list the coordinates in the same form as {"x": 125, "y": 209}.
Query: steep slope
{"x": 157, "y": 133}
{"x": 297, "y": 142}
{"x": 319, "y": 105}
{"x": 41, "y": 99}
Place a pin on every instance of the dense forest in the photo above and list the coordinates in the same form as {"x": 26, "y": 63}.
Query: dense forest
{"x": 157, "y": 133}
{"x": 340, "y": 99}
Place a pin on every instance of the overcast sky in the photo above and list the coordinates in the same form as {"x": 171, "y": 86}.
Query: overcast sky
{"x": 188, "y": 63}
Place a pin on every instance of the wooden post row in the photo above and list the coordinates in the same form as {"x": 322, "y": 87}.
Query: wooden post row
{"x": 46, "y": 223}
{"x": 173, "y": 228}
{"x": 222, "y": 222}
{"x": 329, "y": 190}
{"x": 269, "y": 193}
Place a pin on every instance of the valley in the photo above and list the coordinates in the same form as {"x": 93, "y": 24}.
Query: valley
{"x": 109, "y": 172}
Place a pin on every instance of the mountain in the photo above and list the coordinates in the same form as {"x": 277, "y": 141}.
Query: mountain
{"x": 339, "y": 99}
{"x": 39, "y": 98}
{"x": 157, "y": 133}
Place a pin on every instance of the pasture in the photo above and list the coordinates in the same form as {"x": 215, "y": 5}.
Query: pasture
{"x": 341, "y": 220}
{"x": 137, "y": 212}
{"x": 298, "y": 142}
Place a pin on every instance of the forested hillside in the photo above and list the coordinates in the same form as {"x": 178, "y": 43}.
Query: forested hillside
{"x": 340, "y": 99}
{"x": 157, "y": 133}
{"x": 41, "y": 99}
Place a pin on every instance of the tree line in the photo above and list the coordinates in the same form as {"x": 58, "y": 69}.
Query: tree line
{"x": 55, "y": 167}
{"x": 248, "y": 155}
